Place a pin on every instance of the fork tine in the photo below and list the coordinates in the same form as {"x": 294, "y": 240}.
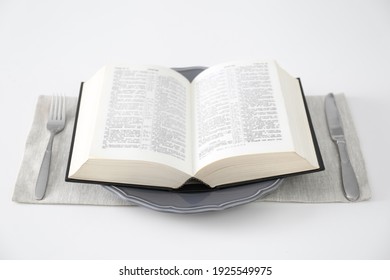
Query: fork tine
{"x": 51, "y": 112}
{"x": 58, "y": 107}
{"x": 63, "y": 107}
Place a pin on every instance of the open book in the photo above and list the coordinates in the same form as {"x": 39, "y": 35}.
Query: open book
{"x": 149, "y": 126}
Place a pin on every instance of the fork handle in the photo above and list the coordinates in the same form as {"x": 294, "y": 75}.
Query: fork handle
{"x": 43, "y": 175}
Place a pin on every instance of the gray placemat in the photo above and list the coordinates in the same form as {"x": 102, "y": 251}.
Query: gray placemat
{"x": 318, "y": 187}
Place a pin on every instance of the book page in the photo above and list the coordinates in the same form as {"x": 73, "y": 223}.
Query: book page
{"x": 86, "y": 119}
{"x": 146, "y": 116}
{"x": 239, "y": 110}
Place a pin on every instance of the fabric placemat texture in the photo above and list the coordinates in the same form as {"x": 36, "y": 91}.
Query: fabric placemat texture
{"x": 320, "y": 187}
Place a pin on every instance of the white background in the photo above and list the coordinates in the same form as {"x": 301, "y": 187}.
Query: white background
{"x": 339, "y": 46}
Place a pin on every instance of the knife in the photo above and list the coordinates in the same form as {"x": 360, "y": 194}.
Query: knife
{"x": 350, "y": 184}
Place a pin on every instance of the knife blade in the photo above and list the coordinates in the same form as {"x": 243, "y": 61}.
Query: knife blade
{"x": 350, "y": 184}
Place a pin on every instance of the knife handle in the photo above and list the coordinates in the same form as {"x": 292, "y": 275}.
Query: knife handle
{"x": 351, "y": 186}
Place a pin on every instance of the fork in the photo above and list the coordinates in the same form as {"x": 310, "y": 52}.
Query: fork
{"x": 55, "y": 124}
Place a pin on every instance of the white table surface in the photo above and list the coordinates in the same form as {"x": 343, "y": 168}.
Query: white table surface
{"x": 339, "y": 46}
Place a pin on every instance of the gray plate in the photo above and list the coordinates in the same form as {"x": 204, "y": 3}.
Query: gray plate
{"x": 195, "y": 202}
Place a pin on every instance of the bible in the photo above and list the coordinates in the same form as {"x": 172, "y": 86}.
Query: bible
{"x": 149, "y": 126}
